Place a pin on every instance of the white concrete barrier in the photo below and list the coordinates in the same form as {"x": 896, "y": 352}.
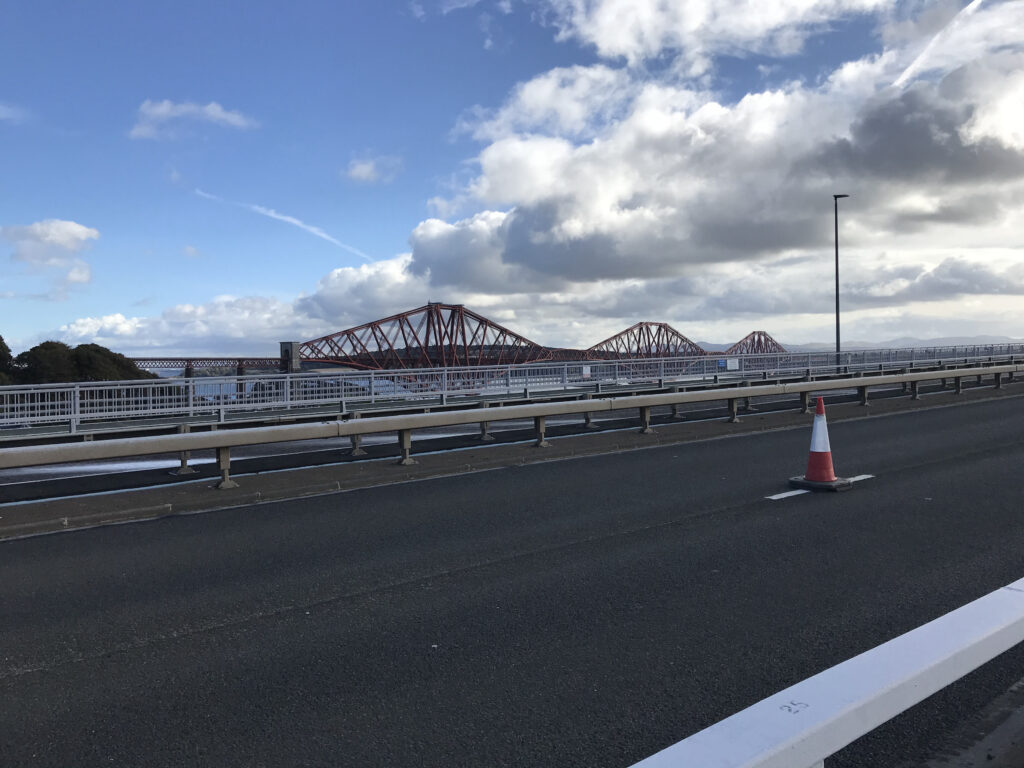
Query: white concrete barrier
{"x": 806, "y": 723}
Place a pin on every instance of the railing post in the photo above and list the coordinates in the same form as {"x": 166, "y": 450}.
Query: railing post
{"x": 734, "y": 415}
{"x": 224, "y": 465}
{"x": 184, "y": 456}
{"x": 565, "y": 375}
{"x": 540, "y": 429}
{"x": 645, "y": 420}
{"x": 75, "y": 409}
{"x": 485, "y": 426}
{"x": 356, "y": 440}
{"x": 405, "y": 446}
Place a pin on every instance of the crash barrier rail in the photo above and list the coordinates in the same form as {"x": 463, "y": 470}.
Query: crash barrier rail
{"x": 806, "y": 723}
{"x": 223, "y": 440}
{"x": 216, "y": 397}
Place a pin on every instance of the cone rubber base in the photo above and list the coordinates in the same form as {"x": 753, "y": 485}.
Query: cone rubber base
{"x": 839, "y": 484}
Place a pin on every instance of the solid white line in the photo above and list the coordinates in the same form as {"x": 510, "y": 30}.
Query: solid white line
{"x": 787, "y": 494}
{"x": 860, "y": 477}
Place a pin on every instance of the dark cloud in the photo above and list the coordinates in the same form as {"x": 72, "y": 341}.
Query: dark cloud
{"x": 915, "y": 137}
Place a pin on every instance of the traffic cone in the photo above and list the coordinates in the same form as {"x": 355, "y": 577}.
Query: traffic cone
{"x": 820, "y": 475}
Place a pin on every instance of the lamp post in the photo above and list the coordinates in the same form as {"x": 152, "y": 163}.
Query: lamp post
{"x": 835, "y": 202}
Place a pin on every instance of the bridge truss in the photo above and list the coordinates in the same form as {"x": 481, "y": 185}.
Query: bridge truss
{"x": 433, "y": 336}
{"x": 644, "y": 340}
{"x": 756, "y": 343}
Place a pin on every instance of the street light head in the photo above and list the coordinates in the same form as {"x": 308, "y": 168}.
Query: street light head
{"x": 838, "y": 196}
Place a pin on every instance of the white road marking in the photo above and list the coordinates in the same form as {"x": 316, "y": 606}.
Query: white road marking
{"x": 786, "y": 494}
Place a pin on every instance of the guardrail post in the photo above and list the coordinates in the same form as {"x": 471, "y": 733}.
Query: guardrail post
{"x": 805, "y": 402}
{"x": 675, "y": 406}
{"x": 588, "y": 417}
{"x": 734, "y": 415}
{"x": 645, "y": 420}
{"x": 915, "y": 394}
{"x": 356, "y": 440}
{"x": 184, "y": 456}
{"x": 485, "y": 426}
{"x": 540, "y": 428}
{"x": 405, "y": 446}
{"x": 224, "y": 465}
{"x": 863, "y": 392}
{"x": 959, "y": 385}
{"x": 998, "y": 381}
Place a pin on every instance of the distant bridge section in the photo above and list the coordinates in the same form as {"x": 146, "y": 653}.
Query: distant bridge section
{"x": 645, "y": 340}
{"x": 756, "y": 343}
{"x": 190, "y": 364}
{"x": 433, "y": 336}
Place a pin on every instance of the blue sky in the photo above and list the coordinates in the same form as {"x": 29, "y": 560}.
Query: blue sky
{"x": 212, "y": 178}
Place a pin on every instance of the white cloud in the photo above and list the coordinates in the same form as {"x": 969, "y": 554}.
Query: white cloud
{"x": 382, "y": 169}
{"x": 50, "y": 247}
{"x": 157, "y": 119}
{"x": 637, "y": 30}
{"x": 191, "y": 252}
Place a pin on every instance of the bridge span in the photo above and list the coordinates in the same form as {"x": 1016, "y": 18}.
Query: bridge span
{"x": 589, "y": 611}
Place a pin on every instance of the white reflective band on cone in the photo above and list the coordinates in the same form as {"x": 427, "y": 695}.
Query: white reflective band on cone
{"x": 819, "y": 436}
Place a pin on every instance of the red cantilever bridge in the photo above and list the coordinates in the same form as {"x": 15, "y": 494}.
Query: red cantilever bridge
{"x": 449, "y": 335}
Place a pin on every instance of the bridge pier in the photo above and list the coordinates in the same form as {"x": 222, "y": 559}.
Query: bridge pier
{"x": 405, "y": 446}
{"x": 224, "y": 465}
{"x": 540, "y": 429}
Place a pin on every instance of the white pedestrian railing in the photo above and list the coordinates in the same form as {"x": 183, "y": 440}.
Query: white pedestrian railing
{"x": 805, "y": 724}
{"x": 72, "y": 404}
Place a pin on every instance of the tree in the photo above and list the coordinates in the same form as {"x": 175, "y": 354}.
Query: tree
{"x": 48, "y": 363}
{"x": 96, "y": 363}
{"x": 6, "y": 363}
{"x": 54, "y": 362}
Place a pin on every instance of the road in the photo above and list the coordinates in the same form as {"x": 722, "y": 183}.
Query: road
{"x": 574, "y": 613}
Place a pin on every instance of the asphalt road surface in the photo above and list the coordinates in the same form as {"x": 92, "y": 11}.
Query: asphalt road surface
{"x": 574, "y": 613}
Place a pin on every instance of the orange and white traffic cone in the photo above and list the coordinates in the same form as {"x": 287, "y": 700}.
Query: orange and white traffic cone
{"x": 820, "y": 475}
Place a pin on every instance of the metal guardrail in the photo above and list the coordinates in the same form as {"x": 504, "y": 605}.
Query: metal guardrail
{"x": 216, "y": 397}
{"x": 806, "y": 723}
{"x": 223, "y": 440}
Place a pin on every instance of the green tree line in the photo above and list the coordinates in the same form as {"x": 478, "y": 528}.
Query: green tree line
{"x": 53, "y": 362}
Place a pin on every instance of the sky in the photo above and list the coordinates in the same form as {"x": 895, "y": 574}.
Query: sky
{"x": 185, "y": 177}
